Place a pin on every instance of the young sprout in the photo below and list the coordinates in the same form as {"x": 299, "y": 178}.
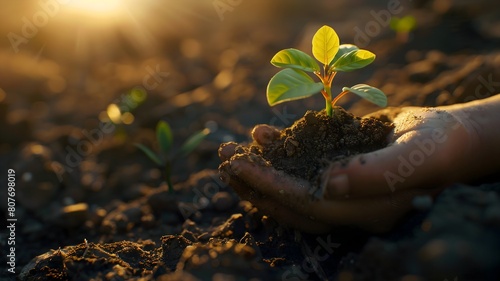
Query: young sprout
{"x": 165, "y": 140}
{"x": 294, "y": 83}
{"x": 403, "y": 26}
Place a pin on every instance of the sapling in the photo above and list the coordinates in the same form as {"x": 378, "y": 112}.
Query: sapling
{"x": 294, "y": 83}
{"x": 166, "y": 157}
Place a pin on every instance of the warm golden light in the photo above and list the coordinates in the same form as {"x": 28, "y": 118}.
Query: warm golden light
{"x": 96, "y": 6}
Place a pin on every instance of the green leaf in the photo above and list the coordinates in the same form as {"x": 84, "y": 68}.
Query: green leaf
{"x": 369, "y": 93}
{"x": 293, "y": 58}
{"x": 164, "y": 136}
{"x": 291, "y": 84}
{"x": 150, "y": 154}
{"x": 353, "y": 60}
{"x": 325, "y": 44}
{"x": 344, "y": 49}
{"x": 193, "y": 141}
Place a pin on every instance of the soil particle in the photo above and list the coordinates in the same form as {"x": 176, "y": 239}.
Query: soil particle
{"x": 116, "y": 261}
{"x": 221, "y": 257}
{"x": 172, "y": 247}
{"x": 233, "y": 227}
{"x": 222, "y": 201}
{"x": 73, "y": 215}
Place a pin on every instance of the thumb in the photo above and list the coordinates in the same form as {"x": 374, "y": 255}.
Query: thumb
{"x": 415, "y": 160}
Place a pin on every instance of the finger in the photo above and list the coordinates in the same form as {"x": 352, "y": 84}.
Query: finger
{"x": 376, "y": 214}
{"x": 272, "y": 183}
{"x": 274, "y": 209}
{"x": 384, "y": 171}
{"x": 265, "y": 134}
{"x": 285, "y": 215}
{"x": 418, "y": 158}
{"x": 226, "y": 150}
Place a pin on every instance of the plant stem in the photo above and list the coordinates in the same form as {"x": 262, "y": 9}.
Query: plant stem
{"x": 338, "y": 97}
{"x": 168, "y": 180}
{"x": 328, "y": 100}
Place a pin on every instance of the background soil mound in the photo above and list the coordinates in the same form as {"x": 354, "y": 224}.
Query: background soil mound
{"x": 316, "y": 139}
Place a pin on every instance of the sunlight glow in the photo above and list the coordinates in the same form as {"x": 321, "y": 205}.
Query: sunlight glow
{"x": 96, "y": 6}
{"x": 114, "y": 28}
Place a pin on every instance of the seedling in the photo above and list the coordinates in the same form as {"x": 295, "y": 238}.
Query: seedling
{"x": 166, "y": 157}
{"x": 403, "y": 26}
{"x": 294, "y": 83}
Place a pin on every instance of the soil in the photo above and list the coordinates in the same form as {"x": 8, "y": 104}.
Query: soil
{"x": 314, "y": 141}
{"x": 78, "y": 180}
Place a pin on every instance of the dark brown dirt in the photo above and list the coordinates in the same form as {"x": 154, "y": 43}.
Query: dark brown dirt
{"x": 52, "y": 97}
{"x": 313, "y": 141}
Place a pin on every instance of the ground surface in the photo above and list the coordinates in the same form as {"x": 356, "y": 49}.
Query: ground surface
{"x": 77, "y": 179}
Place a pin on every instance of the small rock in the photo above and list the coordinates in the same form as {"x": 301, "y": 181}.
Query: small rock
{"x": 148, "y": 221}
{"x": 234, "y": 228}
{"x": 98, "y": 215}
{"x": 189, "y": 235}
{"x": 133, "y": 214}
{"x": 191, "y": 226}
{"x": 122, "y": 223}
{"x": 222, "y": 201}
{"x": 163, "y": 201}
{"x": 311, "y": 118}
{"x": 107, "y": 227}
{"x": 204, "y": 237}
{"x": 74, "y": 215}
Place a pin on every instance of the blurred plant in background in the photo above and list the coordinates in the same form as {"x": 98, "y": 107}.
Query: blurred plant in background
{"x": 166, "y": 157}
{"x": 403, "y": 26}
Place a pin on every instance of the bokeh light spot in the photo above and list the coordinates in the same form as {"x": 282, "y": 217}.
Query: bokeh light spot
{"x": 114, "y": 113}
{"x": 190, "y": 48}
{"x": 223, "y": 79}
{"x": 127, "y": 118}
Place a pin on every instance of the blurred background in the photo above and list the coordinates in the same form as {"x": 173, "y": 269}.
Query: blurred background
{"x": 68, "y": 68}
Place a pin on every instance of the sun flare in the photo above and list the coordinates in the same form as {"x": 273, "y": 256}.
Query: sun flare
{"x": 96, "y": 6}
{"x": 111, "y": 28}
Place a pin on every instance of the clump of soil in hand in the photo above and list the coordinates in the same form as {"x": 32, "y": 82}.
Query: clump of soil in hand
{"x": 315, "y": 140}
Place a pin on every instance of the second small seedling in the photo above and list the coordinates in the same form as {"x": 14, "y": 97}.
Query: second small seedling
{"x": 166, "y": 157}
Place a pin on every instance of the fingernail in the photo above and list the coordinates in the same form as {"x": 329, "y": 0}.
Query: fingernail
{"x": 339, "y": 185}
{"x": 264, "y": 134}
{"x": 226, "y": 150}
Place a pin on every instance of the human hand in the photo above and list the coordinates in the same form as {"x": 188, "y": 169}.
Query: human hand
{"x": 373, "y": 190}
